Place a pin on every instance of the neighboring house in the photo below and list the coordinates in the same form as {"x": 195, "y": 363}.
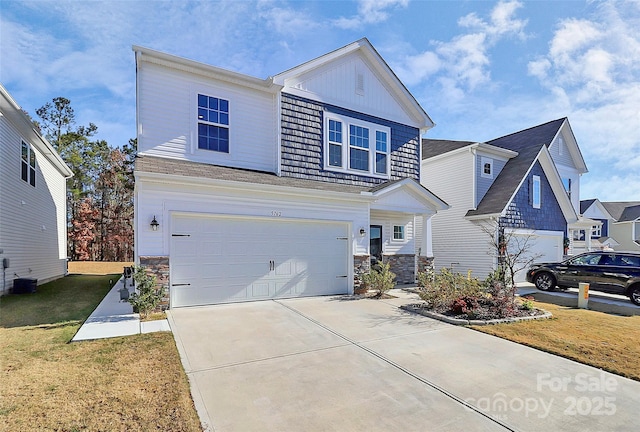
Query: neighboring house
{"x": 278, "y": 187}
{"x": 33, "y": 209}
{"x": 620, "y": 228}
{"x": 527, "y": 182}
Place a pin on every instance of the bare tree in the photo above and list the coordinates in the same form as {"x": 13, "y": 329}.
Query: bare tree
{"x": 514, "y": 252}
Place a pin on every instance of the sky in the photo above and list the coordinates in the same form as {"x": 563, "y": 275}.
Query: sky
{"x": 480, "y": 69}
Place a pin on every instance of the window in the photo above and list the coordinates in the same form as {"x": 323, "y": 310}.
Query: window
{"x": 398, "y": 232}
{"x": 356, "y": 146}
{"x": 596, "y": 231}
{"x": 535, "y": 192}
{"x": 636, "y": 229}
{"x": 335, "y": 143}
{"x": 585, "y": 260}
{"x": 28, "y": 164}
{"x": 213, "y": 124}
{"x": 487, "y": 167}
{"x": 381, "y": 152}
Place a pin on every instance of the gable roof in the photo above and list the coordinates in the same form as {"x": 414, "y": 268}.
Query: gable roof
{"x": 630, "y": 213}
{"x": 378, "y": 64}
{"x": 617, "y": 208}
{"x": 530, "y": 144}
{"x": 534, "y": 136}
{"x": 585, "y": 204}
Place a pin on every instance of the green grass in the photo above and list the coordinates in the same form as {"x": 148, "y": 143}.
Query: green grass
{"x": 48, "y": 384}
{"x": 68, "y": 299}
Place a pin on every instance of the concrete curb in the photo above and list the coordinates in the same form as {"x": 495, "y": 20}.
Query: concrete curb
{"x": 457, "y": 321}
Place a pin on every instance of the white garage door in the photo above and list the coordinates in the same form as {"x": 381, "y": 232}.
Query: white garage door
{"x": 221, "y": 259}
{"x": 544, "y": 247}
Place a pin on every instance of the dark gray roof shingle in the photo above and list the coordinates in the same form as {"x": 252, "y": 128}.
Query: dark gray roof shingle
{"x": 435, "y": 147}
{"x": 162, "y": 165}
{"x": 617, "y": 208}
{"x": 527, "y": 143}
{"x": 585, "y": 204}
{"x": 630, "y": 213}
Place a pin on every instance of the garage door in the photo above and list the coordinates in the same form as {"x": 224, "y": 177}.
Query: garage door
{"x": 222, "y": 260}
{"x": 545, "y": 248}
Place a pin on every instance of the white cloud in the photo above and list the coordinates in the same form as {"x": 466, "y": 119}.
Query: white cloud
{"x": 369, "y": 12}
{"x": 501, "y": 21}
{"x": 594, "y": 65}
{"x": 413, "y": 69}
{"x": 286, "y": 21}
{"x": 463, "y": 63}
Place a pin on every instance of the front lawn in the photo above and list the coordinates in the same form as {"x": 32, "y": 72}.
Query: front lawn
{"x": 602, "y": 340}
{"x": 128, "y": 383}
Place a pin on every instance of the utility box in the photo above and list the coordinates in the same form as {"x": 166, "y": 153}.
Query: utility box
{"x": 24, "y": 285}
{"x": 583, "y": 295}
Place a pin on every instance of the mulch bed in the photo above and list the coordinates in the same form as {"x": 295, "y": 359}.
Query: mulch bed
{"x": 483, "y": 315}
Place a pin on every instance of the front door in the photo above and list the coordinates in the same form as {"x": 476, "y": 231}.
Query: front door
{"x": 375, "y": 243}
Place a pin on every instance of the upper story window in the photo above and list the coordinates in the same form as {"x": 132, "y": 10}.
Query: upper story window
{"x": 213, "y": 123}
{"x": 596, "y": 231}
{"x": 356, "y": 146}
{"x": 28, "y": 164}
{"x": 536, "y": 193}
{"x": 487, "y": 167}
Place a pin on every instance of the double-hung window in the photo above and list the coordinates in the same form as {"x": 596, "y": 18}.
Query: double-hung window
{"x": 335, "y": 143}
{"x": 356, "y": 146}
{"x": 382, "y": 144}
{"x": 213, "y": 123}
{"x": 28, "y": 164}
{"x": 398, "y": 232}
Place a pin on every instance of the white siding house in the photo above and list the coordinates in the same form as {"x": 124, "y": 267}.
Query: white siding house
{"x": 525, "y": 184}
{"x": 33, "y": 232}
{"x": 274, "y": 188}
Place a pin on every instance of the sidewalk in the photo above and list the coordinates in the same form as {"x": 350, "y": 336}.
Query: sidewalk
{"x": 113, "y": 318}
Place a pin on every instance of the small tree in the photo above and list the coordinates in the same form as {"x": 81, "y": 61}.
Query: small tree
{"x": 147, "y": 296}
{"x": 513, "y": 251}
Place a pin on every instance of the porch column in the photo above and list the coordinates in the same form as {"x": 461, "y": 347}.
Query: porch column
{"x": 426, "y": 246}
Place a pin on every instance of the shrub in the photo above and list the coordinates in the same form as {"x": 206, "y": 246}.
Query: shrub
{"x": 440, "y": 290}
{"x": 147, "y": 296}
{"x": 465, "y": 305}
{"x": 527, "y": 303}
{"x": 380, "y": 278}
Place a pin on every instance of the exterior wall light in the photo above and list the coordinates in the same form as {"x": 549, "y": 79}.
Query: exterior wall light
{"x": 154, "y": 224}
{"x": 362, "y": 232}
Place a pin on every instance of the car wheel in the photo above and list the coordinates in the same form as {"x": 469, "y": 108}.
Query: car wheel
{"x": 544, "y": 281}
{"x": 634, "y": 295}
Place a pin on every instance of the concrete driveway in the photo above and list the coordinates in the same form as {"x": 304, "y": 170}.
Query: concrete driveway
{"x": 332, "y": 364}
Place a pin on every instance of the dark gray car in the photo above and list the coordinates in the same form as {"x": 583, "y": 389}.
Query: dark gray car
{"x": 612, "y": 272}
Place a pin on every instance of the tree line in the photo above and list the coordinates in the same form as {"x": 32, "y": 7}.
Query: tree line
{"x": 100, "y": 193}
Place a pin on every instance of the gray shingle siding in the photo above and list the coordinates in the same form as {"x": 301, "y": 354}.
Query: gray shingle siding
{"x": 302, "y": 144}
